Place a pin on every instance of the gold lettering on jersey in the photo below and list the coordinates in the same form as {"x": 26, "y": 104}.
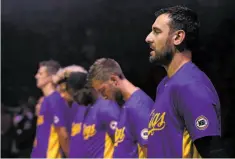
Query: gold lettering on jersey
{"x": 119, "y": 135}
{"x": 76, "y": 128}
{"x": 40, "y": 120}
{"x": 88, "y": 131}
{"x": 157, "y": 122}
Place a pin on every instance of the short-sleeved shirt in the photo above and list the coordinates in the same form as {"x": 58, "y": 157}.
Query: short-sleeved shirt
{"x": 71, "y": 112}
{"x": 132, "y": 128}
{"x": 76, "y": 146}
{"x": 97, "y": 131}
{"x": 186, "y": 108}
{"x": 52, "y": 114}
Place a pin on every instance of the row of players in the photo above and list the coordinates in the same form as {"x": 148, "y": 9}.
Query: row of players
{"x": 106, "y": 116}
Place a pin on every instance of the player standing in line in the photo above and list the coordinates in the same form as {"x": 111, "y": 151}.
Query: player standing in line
{"x": 70, "y": 79}
{"x": 98, "y": 125}
{"x": 131, "y": 134}
{"x": 52, "y": 138}
{"x": 94, "y": 124}
{"x": 63, "y": 87}
{"x": 185, "y": 119}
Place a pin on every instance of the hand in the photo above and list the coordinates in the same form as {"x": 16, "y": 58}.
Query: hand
{"x": 62, "y": 73}
{"x": 58, "y": 76}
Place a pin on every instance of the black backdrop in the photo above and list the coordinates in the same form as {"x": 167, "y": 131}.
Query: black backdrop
{"x": 78, "y": 32}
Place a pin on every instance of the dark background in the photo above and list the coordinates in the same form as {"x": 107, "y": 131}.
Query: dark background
{"x": 80, "y": 31}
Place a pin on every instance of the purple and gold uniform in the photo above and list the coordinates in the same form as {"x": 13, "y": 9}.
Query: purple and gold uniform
{"x": 187, "y": 108}
{"x": 52, "y": 114}
{"x": 98, "y": 130}
{"x": 76, "y": 150}
{"x": 71, "y": 114}
{"x": 132, "y": 128}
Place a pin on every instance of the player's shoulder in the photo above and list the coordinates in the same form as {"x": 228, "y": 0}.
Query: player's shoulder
{"x": 139, "y": 100}
{"x": 197, "y": 87}
{"x": 191, "y": 79}
{"x": 56, "y": 101}
{"x": 81, "y": 111}
{"x": 82, "y": 108}
{"x": 101, "y": 102}
{"x": 54, "y": 96}
{"x": 189, "y": 76}
{"x": 141, "y": 96}
{"x": 161, "y": 83}
{"x": 107, "y": 105}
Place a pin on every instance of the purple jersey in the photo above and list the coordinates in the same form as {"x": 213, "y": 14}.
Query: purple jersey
{"x": 70, "y": 115}
{"x": 98, "y": 129}
{"x": 187, "y": 108}
{"x": 76, "y": 146}
{"x": 132, "y": 128}
{"x": 52, "y": 114}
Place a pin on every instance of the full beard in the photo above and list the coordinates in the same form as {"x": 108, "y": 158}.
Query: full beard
{"x": 118, "y": 97}
{"x": 163, "y": 58}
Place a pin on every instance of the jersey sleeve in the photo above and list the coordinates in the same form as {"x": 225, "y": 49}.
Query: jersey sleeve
{"x": 199, "y": 110}
{"x": 138, "y": 117}
{"x": 58, "y": 109}
{"x": 109, "y": 116}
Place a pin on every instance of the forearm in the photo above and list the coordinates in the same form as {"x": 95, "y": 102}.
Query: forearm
{"x": 211, "y": 147}
{"x": 64, "y": 142}
{"x": 63, "y": 139}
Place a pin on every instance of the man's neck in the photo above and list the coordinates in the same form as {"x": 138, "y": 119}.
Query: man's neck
{"x": 127, "y": 89}
{"x": 177, "y": 62}
{"x": 48, "y": 89}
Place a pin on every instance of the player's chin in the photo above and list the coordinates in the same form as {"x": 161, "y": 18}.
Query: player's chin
{"x": 152, "y": 59}
{"x": 39, "y": 85}
{"x": 157, "y": 60}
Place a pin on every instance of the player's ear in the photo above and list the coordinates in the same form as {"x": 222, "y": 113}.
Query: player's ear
{"x": 114, "y": 79}
{"x": 178, "y": 37}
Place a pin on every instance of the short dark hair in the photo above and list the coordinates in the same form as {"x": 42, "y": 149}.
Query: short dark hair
{"x": 76, "y": 85}
{"x": 183, "y": 18}
{"x": 103, "y": 68}
{"x": 51, "y": 65}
